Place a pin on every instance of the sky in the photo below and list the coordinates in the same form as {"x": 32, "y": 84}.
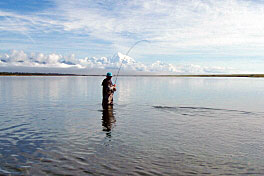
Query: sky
{"x": 89, "y": 36}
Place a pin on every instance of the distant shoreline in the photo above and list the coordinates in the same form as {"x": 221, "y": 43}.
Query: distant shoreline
{"x": 61, "y": 74}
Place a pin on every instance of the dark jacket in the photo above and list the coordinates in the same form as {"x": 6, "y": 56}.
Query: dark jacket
{"x": 108, "y": 92}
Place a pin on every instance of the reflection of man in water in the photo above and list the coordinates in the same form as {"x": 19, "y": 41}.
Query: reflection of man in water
{"x": 108, "y": 120}
{"x": 108, "y": 90}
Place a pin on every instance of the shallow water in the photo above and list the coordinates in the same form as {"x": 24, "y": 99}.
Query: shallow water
{"x": 158, "y": 126}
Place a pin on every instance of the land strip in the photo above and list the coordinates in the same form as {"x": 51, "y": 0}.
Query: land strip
{"x": 60, "y": 74}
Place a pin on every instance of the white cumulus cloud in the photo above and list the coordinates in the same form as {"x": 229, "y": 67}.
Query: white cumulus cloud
{"x": 39, "y": 60}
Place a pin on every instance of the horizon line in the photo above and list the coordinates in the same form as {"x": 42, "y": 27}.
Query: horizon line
{"x": 144, "y": 75}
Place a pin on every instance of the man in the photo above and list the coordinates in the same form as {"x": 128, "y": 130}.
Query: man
{"x": 108, "y": 90}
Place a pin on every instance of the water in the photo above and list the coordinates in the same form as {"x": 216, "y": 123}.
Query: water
{"x": 158, "y": 126}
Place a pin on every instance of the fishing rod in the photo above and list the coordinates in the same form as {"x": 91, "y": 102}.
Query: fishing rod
{"x": 127, "y": 55}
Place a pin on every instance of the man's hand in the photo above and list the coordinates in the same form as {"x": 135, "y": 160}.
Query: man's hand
{"x": 114, "y": 87}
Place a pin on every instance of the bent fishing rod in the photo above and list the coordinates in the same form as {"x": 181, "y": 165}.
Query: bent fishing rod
{"x": 127, "y": 55}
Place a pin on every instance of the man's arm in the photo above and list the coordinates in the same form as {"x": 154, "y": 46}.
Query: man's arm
{"x": 111, "y": 88}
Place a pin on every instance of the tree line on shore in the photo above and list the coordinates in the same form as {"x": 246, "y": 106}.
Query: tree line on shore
{"x": 62, "y": 74}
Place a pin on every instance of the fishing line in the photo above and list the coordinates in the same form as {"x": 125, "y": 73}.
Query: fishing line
{"x": 127, "y": 55}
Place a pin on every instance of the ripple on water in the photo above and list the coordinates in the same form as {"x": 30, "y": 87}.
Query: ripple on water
{"x": 205, "y": 110}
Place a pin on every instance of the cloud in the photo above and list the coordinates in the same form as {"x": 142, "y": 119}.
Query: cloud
{"x": 159, "y": 66}
{"x": 197, "y": 69}
{"x": 176, "y": 23}
{"x": 205, "y": 30}
{"x": 19, "y": 59}
{"x": 207, "y": 26}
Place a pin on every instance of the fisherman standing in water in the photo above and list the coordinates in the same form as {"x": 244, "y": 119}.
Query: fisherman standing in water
{"x": 108, "y": 91}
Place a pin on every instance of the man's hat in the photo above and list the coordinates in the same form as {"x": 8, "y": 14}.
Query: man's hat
{"x": 109, "y": 74}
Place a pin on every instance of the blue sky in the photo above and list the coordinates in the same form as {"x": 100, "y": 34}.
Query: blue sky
{"x": 225, "y": 34}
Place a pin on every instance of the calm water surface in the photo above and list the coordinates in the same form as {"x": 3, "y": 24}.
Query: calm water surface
{"x": 158, "y": 126}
